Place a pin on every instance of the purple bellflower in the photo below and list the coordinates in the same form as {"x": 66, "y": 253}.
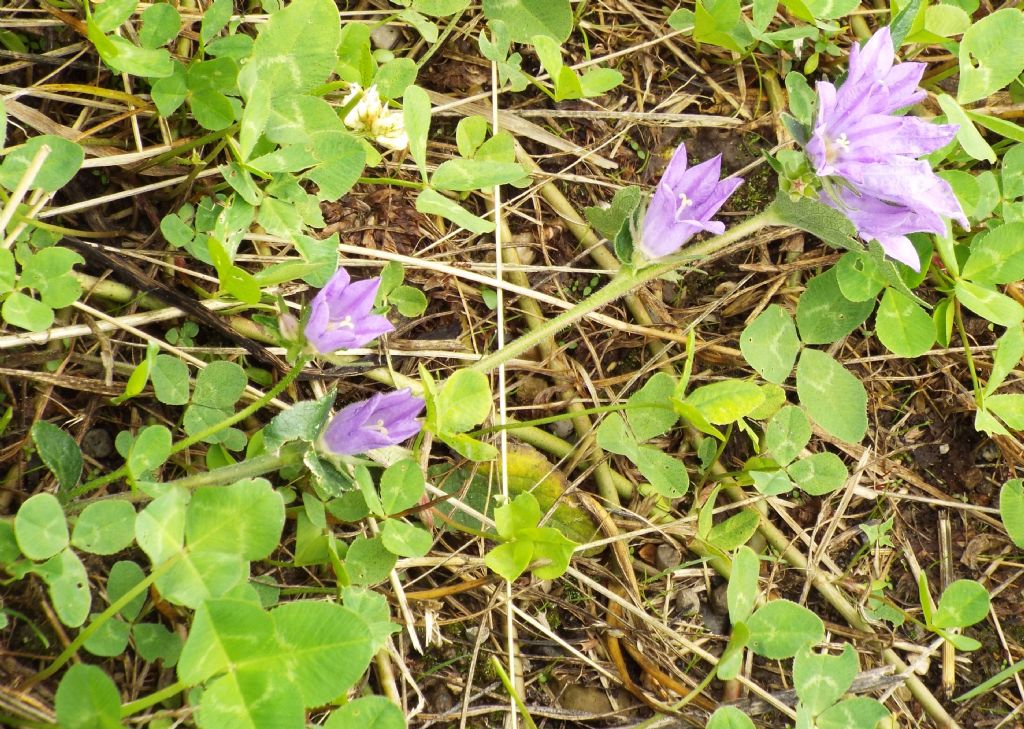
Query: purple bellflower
{"x": 340, "y": 316}
{"x": 886, "y": 191}
{"x": 683, "y": 203}
{"x": 383, "y": 420}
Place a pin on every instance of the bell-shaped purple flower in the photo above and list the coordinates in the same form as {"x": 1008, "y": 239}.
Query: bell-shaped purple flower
{"x": 340, "y": 316}
{"x": 683, "y": 203}
{"x": 889, "y": 191}
{"x": 383, "y": 420}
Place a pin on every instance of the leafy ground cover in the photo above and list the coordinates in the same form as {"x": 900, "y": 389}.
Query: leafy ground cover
{"x": 535, "y": 363}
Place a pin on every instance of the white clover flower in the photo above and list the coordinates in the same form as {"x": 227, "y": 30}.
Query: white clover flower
{"x": 370, "y": 116}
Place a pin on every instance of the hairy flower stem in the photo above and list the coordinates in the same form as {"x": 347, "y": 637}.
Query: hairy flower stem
{"x": 623, "y": 283}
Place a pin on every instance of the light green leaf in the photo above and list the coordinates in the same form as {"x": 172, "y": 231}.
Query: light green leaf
{"x": 991, "y": 54}
{"x": 404, "y": 539}
{"x": 368, "y": 561}
{"x": 770, "y": 344}
{"x": 989, "y": 304}
{"x": 25, "y": 312}
{"x": 149, "y": 450}
{"x": 741, "y": 593}
{"x": 41, "y": 527}
{"x": 244, "y": 519}
{"x": 735, "y": 531}
{"x": 649, "y": 410}
{"x": 997, "y": 257}
{"x": 781, "y": 628}
{"x": 69, "y": 587}
{"x": 1009, "y": 407}
{"x": 856, "y": 713}
{"x": 416, "y": 114}
{"x": 821, "y": 679}
{"x": 819, "y": 473}
{"x": 104, "y": 527}
{"x": 160, "y": 25}
{"x": 87, "y": 698}
{"x": 667, "y": 475}
{"x": 170, "y": 380}
{"x": 729, "y": 717}
{"x": 726, "y": 401}
{"x": 1011, "y": 510}
{"x": 528, "y": 18}
{"x": 824, "y": 315}
{"x": 614, "y": 437}
{"x": 787, "y": 434}
{"x": 431, "y": 202}
{"x": 367, "y": 712}
{"x": 463, "y": 402}
{"x": 401, "y": 486}
{"x": 463, "y": 175}
{"x": 831, "y": 9}
{"x": 964, "y": 603}
{"x": 59, "y": 452}
{"x": 111, "y": 14}
{"x": 968, "y": 136}
{"x": 902, "y": 326}
{"x": 832, "y": 395}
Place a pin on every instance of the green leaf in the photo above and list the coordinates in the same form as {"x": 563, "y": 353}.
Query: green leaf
{"x": 69, "y": 587}
{"x": 821, "y": 679}
{"x": 431, "y": 202}
{"x": 967, "y": 135}
{"x": 991, "y": 54}
{"x": 469, "y": 447}
{"x": 523, "y": 512}
{"x": 217, "y": 15}
{"x": 667, "y": 475}
{"x": 170, "y": 380}
{"x": 726, "y": 401}
{"x": 87, "y": 698}
{"x": 324, "y": 648}
{"x": 824, "y": 315}
{"x": 997, "y": 257}
{"x": 367, "y": 712}
{"x": 859, "y": 276}
{"x": 409, "y": 301}
{"x": 731, "y": 661}
{"x": 989, "y": 304}
{"x": 649, "y": 410}
{"x": 964, "y": 603}
{"x": 770, "y": 344}
{"x": 819, "y": 220}
{"x": 404, "y": 539}
{"x": 155, "y": 642}
{"x": 160, "y": 527}
{"x": 510, "y": 559}
{"x": 41, "y": 527}
{"x": 741, "y": 593}
{"x": 550, "y": 545}
{"x": 902, "y": 326}
{"x": 615, "y": 437}
{"x": 110, "y": 640}
{"x": 819, "y": 474}
{"x": 245, "y": 519}
{"x": 219, "y": 385}
{"x": 160, "y": 25}
{"x": 729, "y": 717}
{"x": 368, "y": 561}
{"x": 857, "y": 713}
{"x": 401, "y": 486}
{"x": 59, "y": 452}
{"x": 781, "y": 628}
{"x": 104, "y": 527}
{"x": 1009, "y": 407}
{"x": 598, "y": 81}
{"x": 1011, "y": 510}
{"x": 303, "y": 421}
{"x": 528, "y": 18}
{"x": 126, "y": 57}
{"x": 735, "y": 531}
{"x": 416, "y": 114}
{"x": 463, "y": 402}
{"x": 832, "y": 395}
{"x": 295, "y": 51}
{"x": 771, "y": 483}
{"x": 715, "y": 22}
{"x": 123, "y": 576}
{"x": 25, "y": 312}
{"x": 149, "y": 450}
{"x": 610, "y": 220}
{"x": 787, "y": 434}
{"x": 463, "y": 175}
{"x": 831, "y": 9}
{"x": 111, "y": 14}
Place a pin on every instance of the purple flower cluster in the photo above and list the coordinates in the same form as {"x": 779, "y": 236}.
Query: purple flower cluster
{"x": 383, "y": 420}
{"x": 683, "y": 203}
{"x": 885, "y": 190}
{"x": 341, "y": 315}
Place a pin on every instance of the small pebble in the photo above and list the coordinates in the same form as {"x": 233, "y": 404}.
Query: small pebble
{"x": 97, "y": 443}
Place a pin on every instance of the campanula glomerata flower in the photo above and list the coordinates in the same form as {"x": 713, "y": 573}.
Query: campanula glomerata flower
{"x": 340, "y": 316}
{"x": 383, "y": 420}
{"x": 885, "y": 190}
{"x": 683, "y": 203}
